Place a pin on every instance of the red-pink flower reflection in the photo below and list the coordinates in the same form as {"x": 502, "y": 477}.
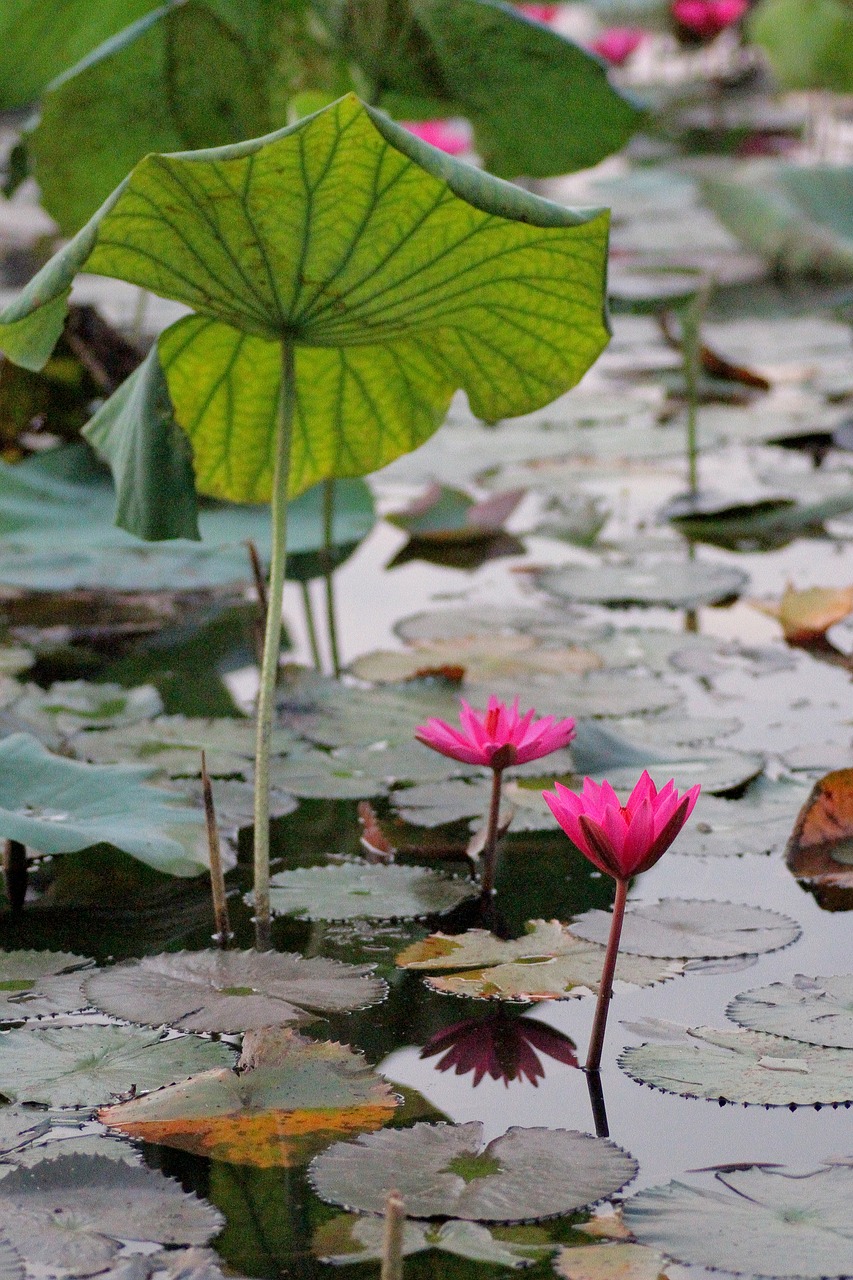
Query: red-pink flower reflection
{"x": 501, "y": 1046}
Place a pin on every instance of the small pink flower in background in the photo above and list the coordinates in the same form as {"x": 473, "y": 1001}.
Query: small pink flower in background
{"x": 622, "y": 840}
{"x": 539, "y": 12}
{"x": 707, "y": 18}
{"x": 440, "y": 134}
{"x": 497, "y": 737}
{"x": 618, "y": 43}
{"x": 499, "y": 1046}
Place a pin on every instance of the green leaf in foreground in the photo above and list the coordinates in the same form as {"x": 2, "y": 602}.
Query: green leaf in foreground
{"x": 811, "y": 1010}
{"x": 445, "y": 1171}
{"x": 355, "y": 890}
{"x": 766, "y": 1222}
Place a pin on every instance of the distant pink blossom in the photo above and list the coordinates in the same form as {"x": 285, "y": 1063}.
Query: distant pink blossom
{"x": 497, "y": 737}
{"x": 622, "y": 840}
{"x": 540, "y": 12}
{"x": 440, "y": 134}
{"x": 618, "y": 43}
{"x": 707, "y": 18}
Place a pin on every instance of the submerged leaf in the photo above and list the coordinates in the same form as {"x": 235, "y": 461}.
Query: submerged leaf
{"x": 357, "y": 889}
{"x": 444, "y": 1170}
{"x": 692, "y": 929}
{"x": 351, "y": 1238}
{"x": 811, "y": 1010}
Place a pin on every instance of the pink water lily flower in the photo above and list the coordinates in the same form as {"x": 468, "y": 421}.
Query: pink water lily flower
{"x": 707, "y": 18}
{"x": 618, "y": 43}
{"x": 441, "y": 134}
{"x": 540, "y": 12}
{"x": 498, "y": 737}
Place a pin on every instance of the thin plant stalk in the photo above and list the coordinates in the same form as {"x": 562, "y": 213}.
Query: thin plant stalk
{"x": 596, "y": 1101}
{"x": 260, "y": 623}
{"x": 605, "y": 990}
{"x": 490, "y": 846}
{"x": 223, "y": 933}
{"x": 137, "y": 324}
{"x": 691, "y": 347}
{"x": 392, "y": 1237}
{"x": 310, "y": 626}
{"x": 328, "y": 543}
{"x": 272, "y": 647}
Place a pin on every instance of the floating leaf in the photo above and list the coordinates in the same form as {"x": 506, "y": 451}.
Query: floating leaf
{"x": 83, "y": 1066}
{"x": 37, "y": 982}
{"x": 444, "y": 1170}
{"x": 610, "y": 1262}
{"x": 173, "y": 745}
{"x": 548, "y": 963}
{"x": 811, "y": 1010}
{"x": 744, "y": 1066}
{"x": 806, "y": 616}
{"x": 761, "y": 822}
{"x": 356, "y": 889}
{"x": 287, "y": 1099}
{"x": 679, "y": 584}
{"x": 692, "y": 929}
{"x": 444, "y": 515}
{"x": 767, "y": 1222}
{"x": 435, "y": 803}
{"x": 350, "y": 1238}
{"x": 334, "y": 715}
{"x": 600, "y": 753}
{"x": 11, "y": 1262}
{"x": 232, "y": 991}
{"x": 481, "y": 658}
{"x": 72, "y": 705}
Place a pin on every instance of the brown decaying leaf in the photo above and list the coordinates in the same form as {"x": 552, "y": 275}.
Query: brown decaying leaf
{"x": 806, "y": 615}
{"x": 823, "y": 832}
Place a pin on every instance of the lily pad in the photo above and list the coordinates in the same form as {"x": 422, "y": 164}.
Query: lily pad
{"x": 173, "y": 745}
{"x": 333, "y": 715}
{"x": 811, "y": 1010}
{"x": 692, "y": 929}
{"x": 11, "y": 1262}
{"x": 56, "y": 805}
{"x": 351, "y": 1238}
{"x": 232, "y": 991}
{"x": 480, "y": 657}
{"x": 71, "y": 705}
{"x": 600, "y": 752}
{"x": 435, "y": 803}
{"x": 352, "y": 890}
{"x": 37, "y": 982}
{"x": 548, "y": 963}
{"x": 444, "y": 1170}
{"x": 82, "y": 1066}
{"x": 766, "y": 1222}
{"x": 447, "y": 515}
{"x": 760, "y": 822}
{"x": 677, "y": 584}
{"x": 615, "y": 1261}
{"x": 743, "y": 1066}
{"x": 287, "y": 1099}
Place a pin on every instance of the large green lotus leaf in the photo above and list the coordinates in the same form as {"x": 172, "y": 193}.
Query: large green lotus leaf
{"x": 353, "y": 890}
{"x": 358, "y": 1238}
{"x": 809, "y": 42}
{"x": 287, "y": 1099}
{"x": 38, "y": 982}
{"x": 798, "y": 217}
{"x": 82, "y": 1066}
{"x": 439, "y": 277}
{"x": 232, "y": 991}
{"x": 812, "y": 1010}
{"x": 692, "y": 929}
{"x": 445, "y": 1171}
{"x": 56, "y": 805}
{"x": 743, "y": 1066}
{"x": 767, "y": 1222}
{"x": 679, "y": 584}
{"x": 547, "y": 963}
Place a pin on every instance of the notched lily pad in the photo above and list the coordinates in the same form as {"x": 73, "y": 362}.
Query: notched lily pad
{"x": 40, "y": 982}
{"x": 444, "y": 1171}
{"x": 811, "y": 1010}
{"x": 232, "y": 991}
{"x": 353, "y": 1238}
{"x": 760, "y": 822}
{"x": 617, "y": 1261}
{"x": 358, "y": 889}
{"x": 692, "y": 929}
{"x": 11, "y": 1262}
{"x": 548, "y": 963}
{"x": 678, "y": 584}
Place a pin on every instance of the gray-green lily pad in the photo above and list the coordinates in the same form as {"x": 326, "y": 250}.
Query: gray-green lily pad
{"x": 38, "y": 982}
{"x": 444, "y": 1170}
{"x": 598, "y": 694}
{"x": 336, "y": 715}
{"x": 232, "y": 991}
{"x": 72, "y": 705}
{"x": 359, "y": 889}
{"x": 18, "y": 1128}
{"x": 677, "y": 584}
{"x": 811, "y": 1010}
{"x": 435, "y": 803}
{"x": 56, "y": 805}
{"x": 690, "y": 929}
{"x": 767, "y": 1222}
{"x": 11, "y": 1262}
{"x": 83, "y": 1066}
{"x": 318, "y": 775}
{"x": 750, "y": 1067}
{"x": 353, "y": 1238}
{"x": 760, "y": 822}
{"x": 600, "y": 752}
{"x": 173, "y": 745}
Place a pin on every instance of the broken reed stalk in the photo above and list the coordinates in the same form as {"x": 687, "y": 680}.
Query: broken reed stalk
{"x": 392, "y": 1237}
{"x": 310, "y": 627}
{"x": 15, "y": 874}
{"x": 260, "y": 622}
{"x": 223, "y": 933}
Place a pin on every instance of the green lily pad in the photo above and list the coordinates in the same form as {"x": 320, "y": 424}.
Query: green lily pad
{"x": 743, "y": 1066}
{"x": 434, "y": 803}
{"x": 321, "y": 776}
{"x": 333, "y": 714}
{"x": 351, "y": 1238}
{"x": 232, "y": 991}
{"x": 677, "y": 584}
{"x": 767, "y": 1222}
{"x": 444, "y": 1171}
{"x": 547, "y": 963}
{"x": 72, "y": 705}
{"x": 353, "y": 890}
{"x": 82, "y": 1066}
{"x": 56, "y": 805}
{"x": 173, "y": 745}
{"x": 37, "y": 982}
{"x": 811, "y": 1010}
{"x": 692, "y": 929}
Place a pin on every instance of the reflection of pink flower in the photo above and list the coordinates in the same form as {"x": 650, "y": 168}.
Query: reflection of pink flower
{"x": 707, "y": 18}
{"x": 438, "y": 133}
{"x": 617, "y": 44}
{"x": 497, "y": 737}
{"x": 622, "y": 840}
{"x": 499, "y": 1046}
{"x": 539, "y": 12}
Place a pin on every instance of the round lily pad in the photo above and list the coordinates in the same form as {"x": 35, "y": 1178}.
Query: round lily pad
{"x": 811, "y": 1010}
{"x": 692, "y": 929}
{"x": 38, "y": 982}
{"x": 729, "y": 828}
{"x": 743, "y": 1066}
{"x": 232, "y": 991}
{"x": 764, "y": 1222}
{"x": 678, "y": 584}
{"x": 354, "y": 889}
{"x": 444, "y": 1171}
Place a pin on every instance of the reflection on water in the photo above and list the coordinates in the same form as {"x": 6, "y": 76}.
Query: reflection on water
{"x": 502, "y": 1045}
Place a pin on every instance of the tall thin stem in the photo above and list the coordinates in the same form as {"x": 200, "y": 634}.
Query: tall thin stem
{"x": 605, "y": 991}
{"x": 691, "y": 347}
{"x": 217, "y": 876}
{"x": 272, "y": 647}
{"x": 310, "y": 627}
{"x": 328, "y": 543}
{"x": 392, "y": 1237}
{"x": 490, "y": 847}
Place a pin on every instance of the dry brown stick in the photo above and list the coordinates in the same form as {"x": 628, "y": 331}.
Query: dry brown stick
{"x": 217, "y": 876}
{"x": 392, "y": 1238}
{"x": 16, "y": 874}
